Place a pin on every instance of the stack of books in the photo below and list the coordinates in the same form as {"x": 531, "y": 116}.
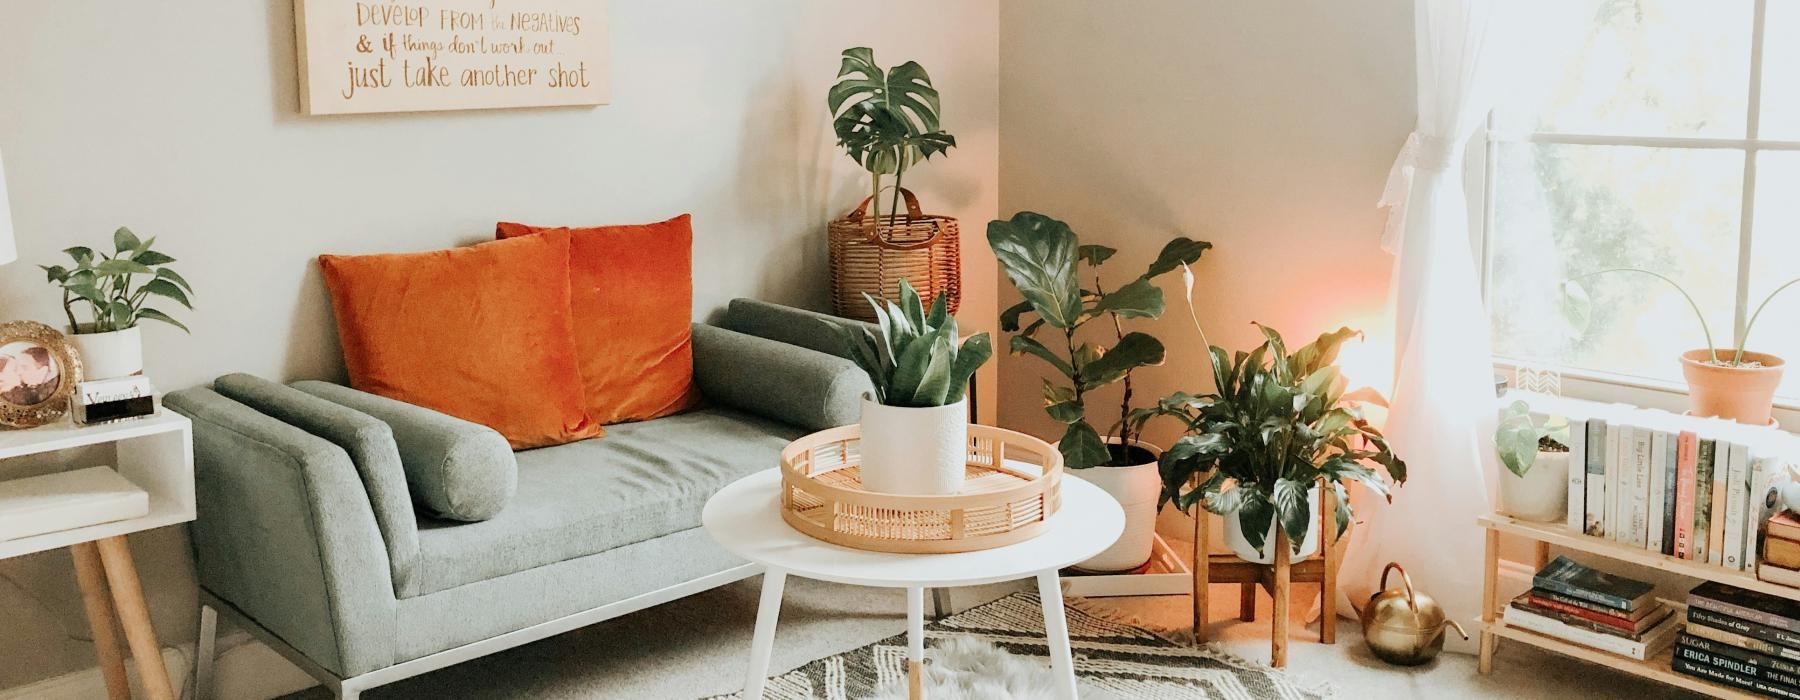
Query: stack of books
{"x": 1686, "y": 487}
{"x": 1781, "y": 550}
{"x": 1594, "y": 609}
{"x": 1744, "y": 639}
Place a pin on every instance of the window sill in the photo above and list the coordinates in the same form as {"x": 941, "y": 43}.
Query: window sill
{"x": 1605, "y": 387}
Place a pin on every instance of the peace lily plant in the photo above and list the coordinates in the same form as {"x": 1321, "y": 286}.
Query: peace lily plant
{"x": 114, "y": 292}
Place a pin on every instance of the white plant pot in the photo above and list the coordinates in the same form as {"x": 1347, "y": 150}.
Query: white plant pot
{"x": 1136, "y": 488}
{"x": 111, "y": 354}
{"x": 1542, "y": 495}
{"x": 1234, "y": 536}
{"x": 914, "y": 451}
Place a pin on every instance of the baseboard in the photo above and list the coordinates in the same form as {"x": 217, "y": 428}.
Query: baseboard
{"x": 245, "y": 670}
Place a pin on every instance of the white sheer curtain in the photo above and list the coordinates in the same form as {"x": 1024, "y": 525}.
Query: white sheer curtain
{"x": 1442, "y": 415}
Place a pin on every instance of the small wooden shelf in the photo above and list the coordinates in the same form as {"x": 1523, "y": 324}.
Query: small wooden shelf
{"x": 1657, "y": 667}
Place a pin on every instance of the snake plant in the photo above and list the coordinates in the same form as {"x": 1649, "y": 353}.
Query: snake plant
{"x": 916, "y": 362}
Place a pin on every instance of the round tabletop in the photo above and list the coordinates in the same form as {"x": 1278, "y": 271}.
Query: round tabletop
{"x": 745, "y": 518}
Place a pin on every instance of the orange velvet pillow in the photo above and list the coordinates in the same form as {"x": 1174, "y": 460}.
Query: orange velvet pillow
{"x": 632, "y": 295}
{"x": 481, "y": 333}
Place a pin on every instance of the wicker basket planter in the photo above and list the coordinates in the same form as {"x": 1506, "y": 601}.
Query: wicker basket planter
{"x": 1002, "y": 501}
{"x": 873, "y": 254}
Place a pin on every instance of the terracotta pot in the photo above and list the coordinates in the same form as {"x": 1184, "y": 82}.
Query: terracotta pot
{"x": 1742, "y": 394}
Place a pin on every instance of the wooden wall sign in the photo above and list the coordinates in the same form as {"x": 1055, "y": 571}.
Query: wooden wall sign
{"x": 360, "y": 57}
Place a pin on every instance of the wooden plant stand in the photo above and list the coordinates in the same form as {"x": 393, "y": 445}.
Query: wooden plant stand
{"x": 1275, "y": 578}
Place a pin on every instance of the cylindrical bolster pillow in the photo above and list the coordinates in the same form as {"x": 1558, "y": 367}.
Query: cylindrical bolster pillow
{"x": 778, "y": 381}
{"x": 457, "y": 469}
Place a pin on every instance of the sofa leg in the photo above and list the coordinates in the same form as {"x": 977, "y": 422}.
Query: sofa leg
{"x": 205, "y": 651}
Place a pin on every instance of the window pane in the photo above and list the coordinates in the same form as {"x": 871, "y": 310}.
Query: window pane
{"x": 1781, "y": 71}
{"x": 1562, "y": 211}
{"x": 1774, "y": 252}
{"x": 1642, "y": 67}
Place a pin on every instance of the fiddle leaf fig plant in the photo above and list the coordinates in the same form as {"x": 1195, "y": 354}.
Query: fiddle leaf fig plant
{"x": 1042, "y": 257}
{"x": 916, "y": 362}
{"x": 886, "y": 120}
{"x": 1275, "y": 424}
{"x": 115, "y": 289}
{"x": 1519, "y": 439}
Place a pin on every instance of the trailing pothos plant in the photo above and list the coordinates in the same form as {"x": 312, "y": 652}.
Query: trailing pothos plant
{"x": 886, "y": 120}
{"x": 1518, "y": 439}
{"x": 1042, "y": 258}
{"x": 1275, "y": 423}
{"x": 115, "y": 289}
{"x": 917, "y": 361}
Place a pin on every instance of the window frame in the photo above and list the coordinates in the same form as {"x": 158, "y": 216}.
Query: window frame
{"x": 1610, "y": 386}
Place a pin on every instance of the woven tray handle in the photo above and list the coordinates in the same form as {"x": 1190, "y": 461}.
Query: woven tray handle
{"x": 913, "y": 213}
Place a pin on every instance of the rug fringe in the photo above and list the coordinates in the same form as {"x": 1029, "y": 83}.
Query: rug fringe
{"x": 1184, "y": 636}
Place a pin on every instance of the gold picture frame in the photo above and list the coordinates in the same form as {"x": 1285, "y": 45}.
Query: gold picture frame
{"x": 38, "y": 373}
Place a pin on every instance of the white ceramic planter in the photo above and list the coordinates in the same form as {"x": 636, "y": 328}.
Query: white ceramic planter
{"x": 1234, "y": 536}
{"x": 1542, "y": 495}
{"x": 914, "y": 451}
{"x": 111, "y": 354}
{"x": 1136, "y": 488}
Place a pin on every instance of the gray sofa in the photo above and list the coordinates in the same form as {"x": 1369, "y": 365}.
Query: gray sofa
{"x": 334, "y": 524}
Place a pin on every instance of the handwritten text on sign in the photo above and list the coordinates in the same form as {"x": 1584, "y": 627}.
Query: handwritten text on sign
{"x": 359, "y": 57}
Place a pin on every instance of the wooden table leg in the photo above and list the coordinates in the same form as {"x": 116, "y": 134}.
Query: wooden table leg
{"x": 915, "y": 643}
{"x": 762, "y": 641}
{"x": 134, "y": 614}
{"x": 1056, "y": 634}
{"x": 90, "y": 574}
{"x": 1328, "y": 587}
{"x": 1489, "y": 597}
{"x": 1279, "y": 641}
{"x": 1247, "y": 602}
{"x": 1202, "y": 575}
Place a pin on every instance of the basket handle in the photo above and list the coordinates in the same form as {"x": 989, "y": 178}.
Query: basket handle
{"x": 913, "y": 212}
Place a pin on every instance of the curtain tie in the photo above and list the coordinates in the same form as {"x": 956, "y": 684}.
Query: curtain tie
{"x": 1422, "y": 151}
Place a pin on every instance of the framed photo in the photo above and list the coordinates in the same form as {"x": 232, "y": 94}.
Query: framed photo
{"x": 38, "y": 373}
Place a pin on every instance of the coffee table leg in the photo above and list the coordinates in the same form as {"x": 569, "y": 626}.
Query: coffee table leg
{"x": 915, "y": 643}
{"x": 1056, "y": 632}
{"x": 762, "y": 642}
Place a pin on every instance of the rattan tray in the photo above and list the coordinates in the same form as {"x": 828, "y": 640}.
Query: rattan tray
{"x": 1013, "y": 486}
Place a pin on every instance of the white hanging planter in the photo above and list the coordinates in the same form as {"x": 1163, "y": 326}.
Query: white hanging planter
{"x": 1234, "y": 535}
{"x": 914, "y": 451}
{"x": 1542, "y": 495}
{"x": 1136, "y": 488}
{"x": 111, "y": 354}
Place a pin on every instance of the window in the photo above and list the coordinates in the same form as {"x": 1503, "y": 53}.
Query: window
{"x": 1668, "y": 139}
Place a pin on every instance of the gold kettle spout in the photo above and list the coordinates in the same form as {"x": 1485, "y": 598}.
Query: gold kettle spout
{"x": 1459, "y": 629}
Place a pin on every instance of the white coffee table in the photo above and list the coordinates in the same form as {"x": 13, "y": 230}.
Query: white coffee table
{"x": 745, "y": 519}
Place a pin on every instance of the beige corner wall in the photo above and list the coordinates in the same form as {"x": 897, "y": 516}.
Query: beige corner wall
{"x": 1265, "y": 128}
{"x": 180, "y": 120}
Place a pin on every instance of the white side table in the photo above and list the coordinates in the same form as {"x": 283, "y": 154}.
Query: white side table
{"x": 156, "y": 454}
{"x": 745, "y": 519}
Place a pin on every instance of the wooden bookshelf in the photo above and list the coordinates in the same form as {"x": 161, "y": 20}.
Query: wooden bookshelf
{"x": 1657, "y": 666}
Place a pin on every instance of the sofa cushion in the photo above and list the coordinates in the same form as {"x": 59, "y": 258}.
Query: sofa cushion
{"x": 642, "y": 481}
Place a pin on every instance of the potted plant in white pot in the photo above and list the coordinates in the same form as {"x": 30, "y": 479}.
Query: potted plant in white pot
{"x": 1041, "y": 256}
{"x": 115, "y": 290}
{"x": 1256, "y": 447}
{"x": 915, "y": 429}
{"x": 1537, "y": 458}
{"x": 1731, "y": 383}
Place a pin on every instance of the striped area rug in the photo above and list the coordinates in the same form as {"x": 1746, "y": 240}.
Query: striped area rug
{"x": 1112, "y": 660}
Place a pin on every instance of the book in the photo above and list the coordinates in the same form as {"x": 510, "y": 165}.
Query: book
{"x": 1781, "y": 552}
{"x": 67, "y": 500}
{"x": 1653, "y": 639}
{"x": 1703, "y": 488}
{"x": 1576, "y": 517}
{"x": 1633, "y": 615}
{"x": 1637, "y": 442}
{"x": 1754, "y": 606}
{"x": 1658, "y": 447}
{"x": 1742, "y": 642}
{"x": 1777, "y": 635}
{"x": 1670, "y": 479}
{"x": 1737, "y": 502}
{"x": 1615, "y": 482}
{"x": 1687, "y": 453}
{"x": 1684, "y": 665}
{"x": 1592, "y": 619}
{"x": 1595, "y": 501}
{"x": 1566, "y": 576}
{"x": 1784, "y": 525}
{"x": 1772, "y": 668}
{"x": 1776, "y": 574}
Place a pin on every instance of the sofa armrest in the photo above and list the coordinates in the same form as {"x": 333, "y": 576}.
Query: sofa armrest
{"x": 285, "y": 533}
{"x": 776, "y": 380}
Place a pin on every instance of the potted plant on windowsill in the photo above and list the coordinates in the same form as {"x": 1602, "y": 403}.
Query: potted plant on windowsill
{"x": 1731, "y": 383}
{"x": 115, "y": 290}
{"x": 915, "y": 429}
{"x": 1537, "y": 459}
{"x": 1041, "y": 256}
{"x": 1256, "y": 447}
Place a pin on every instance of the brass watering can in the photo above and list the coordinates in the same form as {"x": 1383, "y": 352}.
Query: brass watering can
{"x": 1404, "y": 628}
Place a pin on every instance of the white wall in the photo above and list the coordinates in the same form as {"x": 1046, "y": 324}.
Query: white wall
{"x": 1265, "y": 128}
{"x": 180, "y": 120}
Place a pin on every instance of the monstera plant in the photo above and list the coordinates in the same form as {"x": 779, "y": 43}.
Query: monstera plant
{"x": 886, "y": 120}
